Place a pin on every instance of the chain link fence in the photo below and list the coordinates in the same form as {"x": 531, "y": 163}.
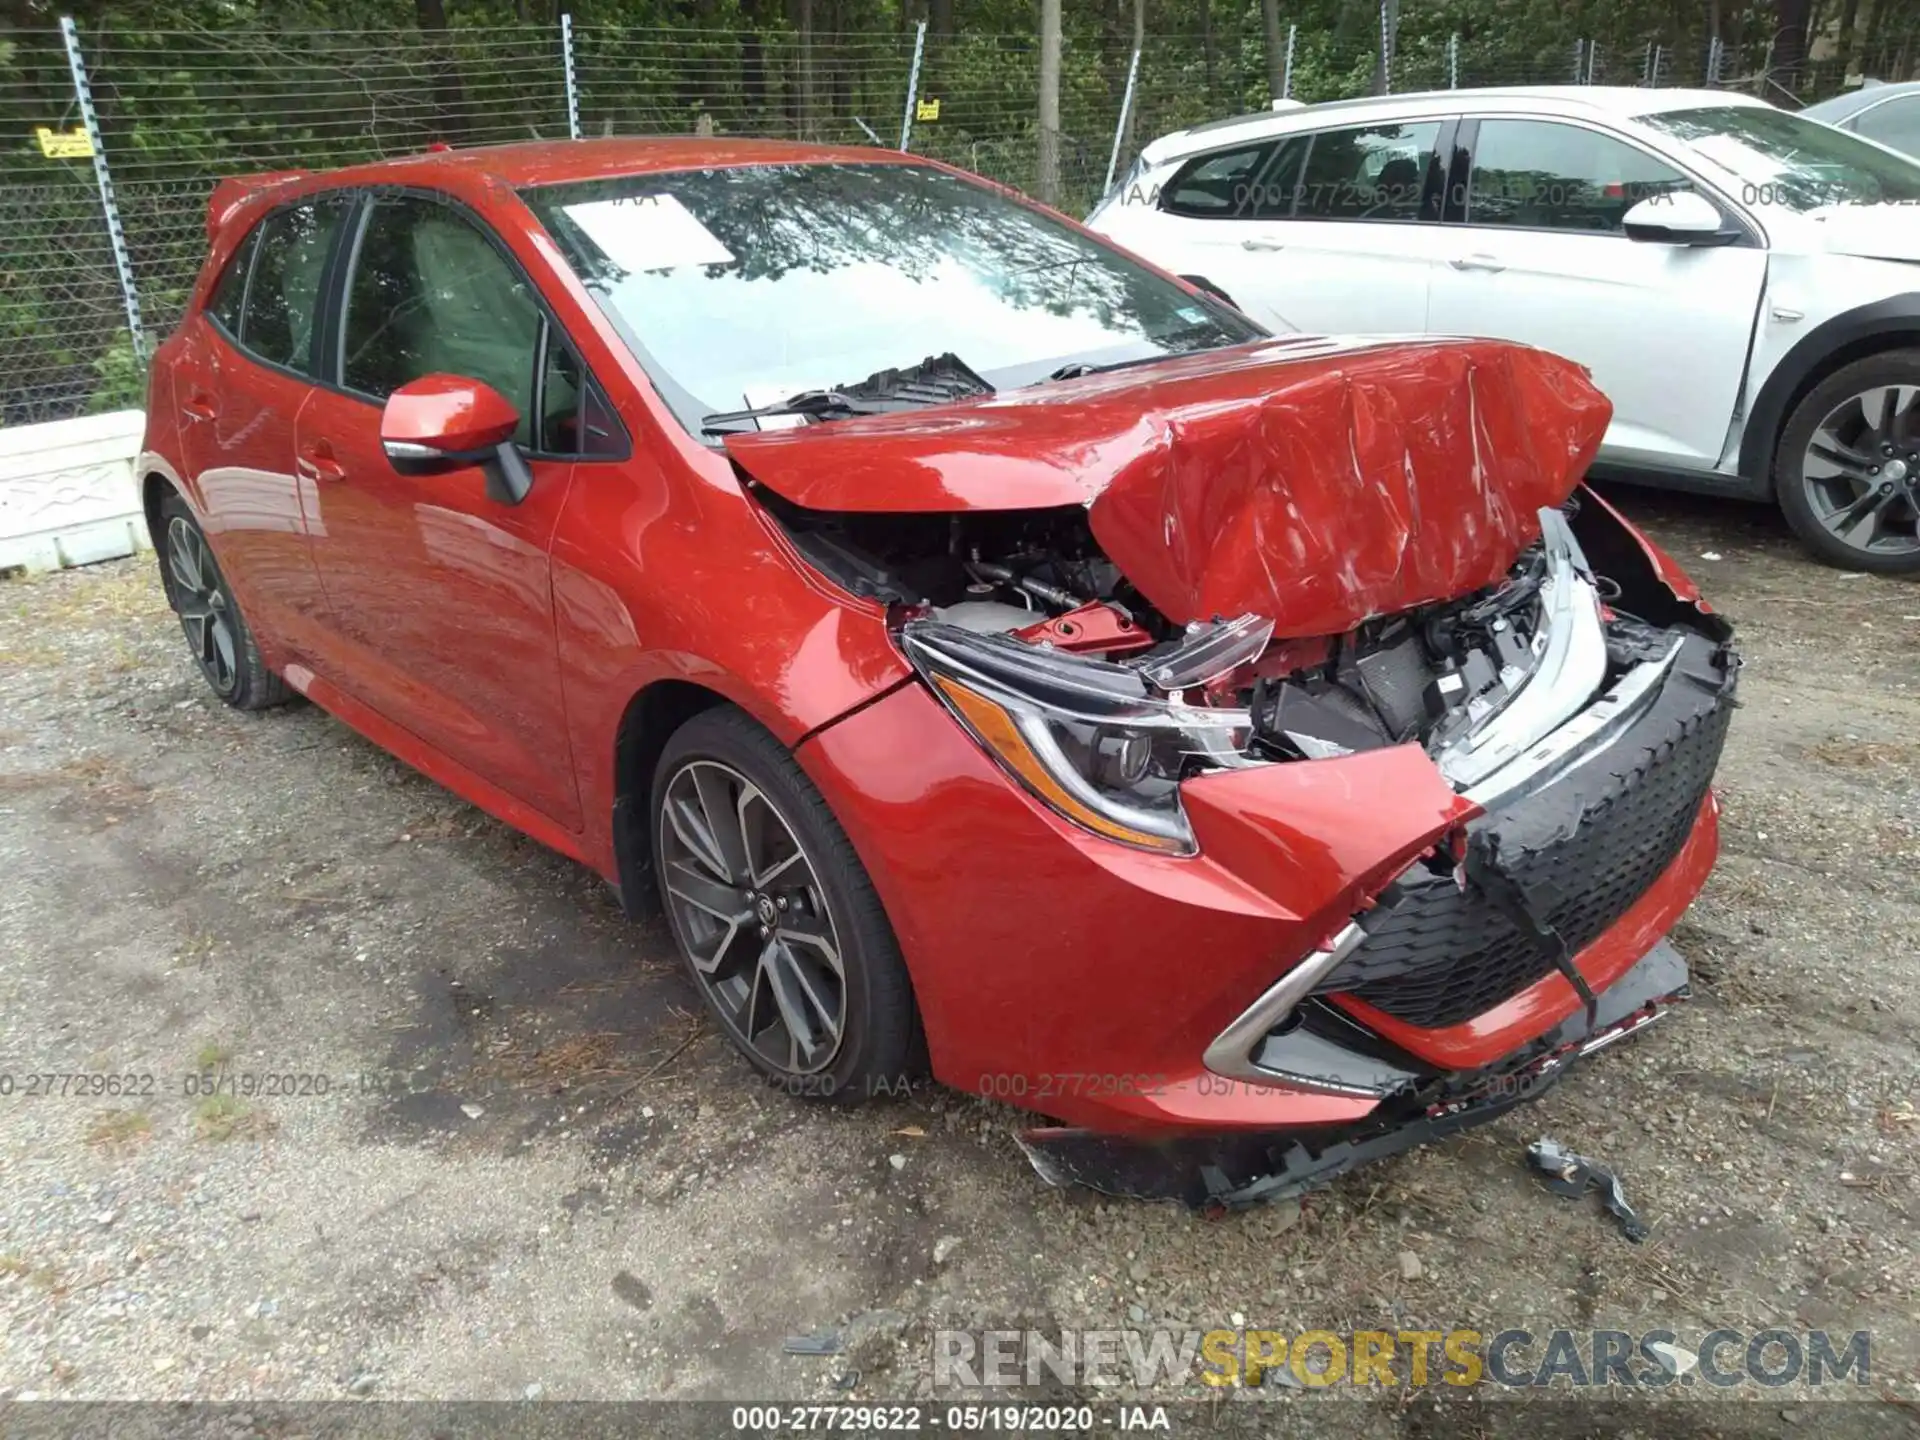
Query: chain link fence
{"x": 177, "y": 110}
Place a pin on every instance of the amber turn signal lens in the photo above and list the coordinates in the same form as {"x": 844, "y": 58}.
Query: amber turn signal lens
{"x": 995, "y": 729}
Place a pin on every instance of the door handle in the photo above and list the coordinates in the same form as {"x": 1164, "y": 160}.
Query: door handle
{"x": 199, "y": 406}
{"x": 1478, "y": 262}
{"x": 317, "y": 460}
{"x": 1253, "y": 244}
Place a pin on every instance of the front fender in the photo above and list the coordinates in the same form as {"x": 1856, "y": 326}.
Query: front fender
{"x": 658, "y": 578}
{"x": 1883, "y": 324}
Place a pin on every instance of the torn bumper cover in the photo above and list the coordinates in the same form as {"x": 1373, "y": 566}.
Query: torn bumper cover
{"x": 1552, "y": 867}
{"x": 1234, "y": 1171}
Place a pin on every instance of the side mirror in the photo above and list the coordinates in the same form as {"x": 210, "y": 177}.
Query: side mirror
{"x": 445, "y": 422}
{"x": 1678, "y": 217}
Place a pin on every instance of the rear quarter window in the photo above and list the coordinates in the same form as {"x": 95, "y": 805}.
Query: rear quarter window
{"x": 230, "y": 290}
{"x": 1218, "y": 186}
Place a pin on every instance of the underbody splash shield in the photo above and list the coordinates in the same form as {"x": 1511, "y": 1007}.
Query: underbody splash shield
{"x": 1317, "y": 482}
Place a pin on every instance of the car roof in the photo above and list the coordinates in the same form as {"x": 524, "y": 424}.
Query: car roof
{"x": 1618, "y": 101}
{"x": 547, "y": 162}
{"x": 1854, "y": 101}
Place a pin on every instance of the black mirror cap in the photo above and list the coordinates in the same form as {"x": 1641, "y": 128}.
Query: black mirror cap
{"x": 1661, "y": 235}
{"x": 509, "y": 481}
{"x": 508, "y": 478}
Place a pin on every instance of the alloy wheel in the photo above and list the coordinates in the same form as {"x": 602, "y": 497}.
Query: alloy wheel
{"x": 206, "y": 611}
{"x": 750, "y": 914}
{"x": 1862, "y": 471}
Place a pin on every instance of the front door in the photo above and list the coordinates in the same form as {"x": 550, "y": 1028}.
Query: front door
{"x": 441, "y": 598}
{"x": 1543, "y": 259}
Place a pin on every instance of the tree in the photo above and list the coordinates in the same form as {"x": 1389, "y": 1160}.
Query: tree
{"x": 1206, "y": 43}
{"x": 802, "y": 16}
{"x": 1276, "y": 57}
{"x": 1791, "y": 18}
{"x": 449, "y": 94}
{"x": 1849, "y": 22}
{"x": 1139, "y": 44}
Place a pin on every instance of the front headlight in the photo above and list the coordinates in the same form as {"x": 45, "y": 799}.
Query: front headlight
{"x": 1086, "y": 737}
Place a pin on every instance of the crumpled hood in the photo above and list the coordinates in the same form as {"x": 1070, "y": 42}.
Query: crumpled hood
{"x": 1314, "y": 481}
{"x": 1872, "y": 232}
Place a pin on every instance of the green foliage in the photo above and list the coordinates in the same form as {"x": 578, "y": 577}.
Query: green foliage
{"x": 121, "y": 378}
{"x": 191, "y": 90}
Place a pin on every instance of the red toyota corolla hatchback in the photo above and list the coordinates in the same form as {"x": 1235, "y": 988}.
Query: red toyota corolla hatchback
{"x": 995, "y": 655}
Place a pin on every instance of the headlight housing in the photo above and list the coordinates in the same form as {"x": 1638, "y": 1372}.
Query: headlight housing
{"x": 1088, "y": 738}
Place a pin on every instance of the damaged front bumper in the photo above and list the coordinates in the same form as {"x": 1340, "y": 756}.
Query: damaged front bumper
{"x": 1231, "y": 1171}
{"x": 1350, "y": 954}
{"x": 1453, "y": 961}
{"x": 1602, "y": 808}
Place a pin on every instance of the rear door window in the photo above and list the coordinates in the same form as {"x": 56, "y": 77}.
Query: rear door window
{"x": 1372, "y": 172}
{"x": 283, "y": 295}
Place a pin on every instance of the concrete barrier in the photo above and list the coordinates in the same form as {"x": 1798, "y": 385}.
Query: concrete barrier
{"x": 67, "y": 492}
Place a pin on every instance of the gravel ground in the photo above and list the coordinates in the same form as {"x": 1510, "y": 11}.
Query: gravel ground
{"x": 537, "y": 1174}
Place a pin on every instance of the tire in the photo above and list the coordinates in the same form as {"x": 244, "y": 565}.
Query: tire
{"x": 1862, "y": 482}
{"x": 759, "y": 932}
{"x": 218, "y": 636}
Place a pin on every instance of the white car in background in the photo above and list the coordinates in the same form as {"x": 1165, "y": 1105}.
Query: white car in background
{"x": 1743, "y": 284}
{"x": 1889, "y": 114}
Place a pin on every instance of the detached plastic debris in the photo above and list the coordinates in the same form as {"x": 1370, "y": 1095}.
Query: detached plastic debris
{"x": 827, "y": 1342}
{"x": 1573, "y": 1175}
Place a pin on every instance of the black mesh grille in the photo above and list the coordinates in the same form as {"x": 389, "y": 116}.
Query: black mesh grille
{"x": 1435, "y": 955}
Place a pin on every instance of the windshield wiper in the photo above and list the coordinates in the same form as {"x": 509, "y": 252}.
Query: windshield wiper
{"x": 934, "y": 381}
{"x": 1074, "y": 369}
{"x": 814, "y": 404}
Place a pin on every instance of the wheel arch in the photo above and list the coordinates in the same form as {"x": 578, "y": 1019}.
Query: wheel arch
{"x": 157, "y": 486}
{"x": 154, "y": 490}
{"x": 652, "y": 715}
{"x": 1892, "y": 324}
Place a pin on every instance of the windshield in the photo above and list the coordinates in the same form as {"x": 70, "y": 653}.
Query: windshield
{"x": 741, "y": 287}
{"x": 1785, "y": 160}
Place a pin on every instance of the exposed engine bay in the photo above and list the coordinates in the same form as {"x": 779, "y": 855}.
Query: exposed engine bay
{"x": 1019, "y": 614}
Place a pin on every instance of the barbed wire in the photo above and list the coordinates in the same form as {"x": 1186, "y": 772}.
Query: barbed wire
{"x": 180, "y": 108}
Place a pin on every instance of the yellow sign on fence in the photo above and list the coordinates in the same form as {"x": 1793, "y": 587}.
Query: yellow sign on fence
{"x": 71, "y": 144}
{"x": 927, "y": 110}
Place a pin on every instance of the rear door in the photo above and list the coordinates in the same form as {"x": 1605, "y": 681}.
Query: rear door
{"x": 245, "y": 375}
{"x": 1334, "y": 231}
{"x": 1542, "y": 258}
{"x": 441, "y": 598}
